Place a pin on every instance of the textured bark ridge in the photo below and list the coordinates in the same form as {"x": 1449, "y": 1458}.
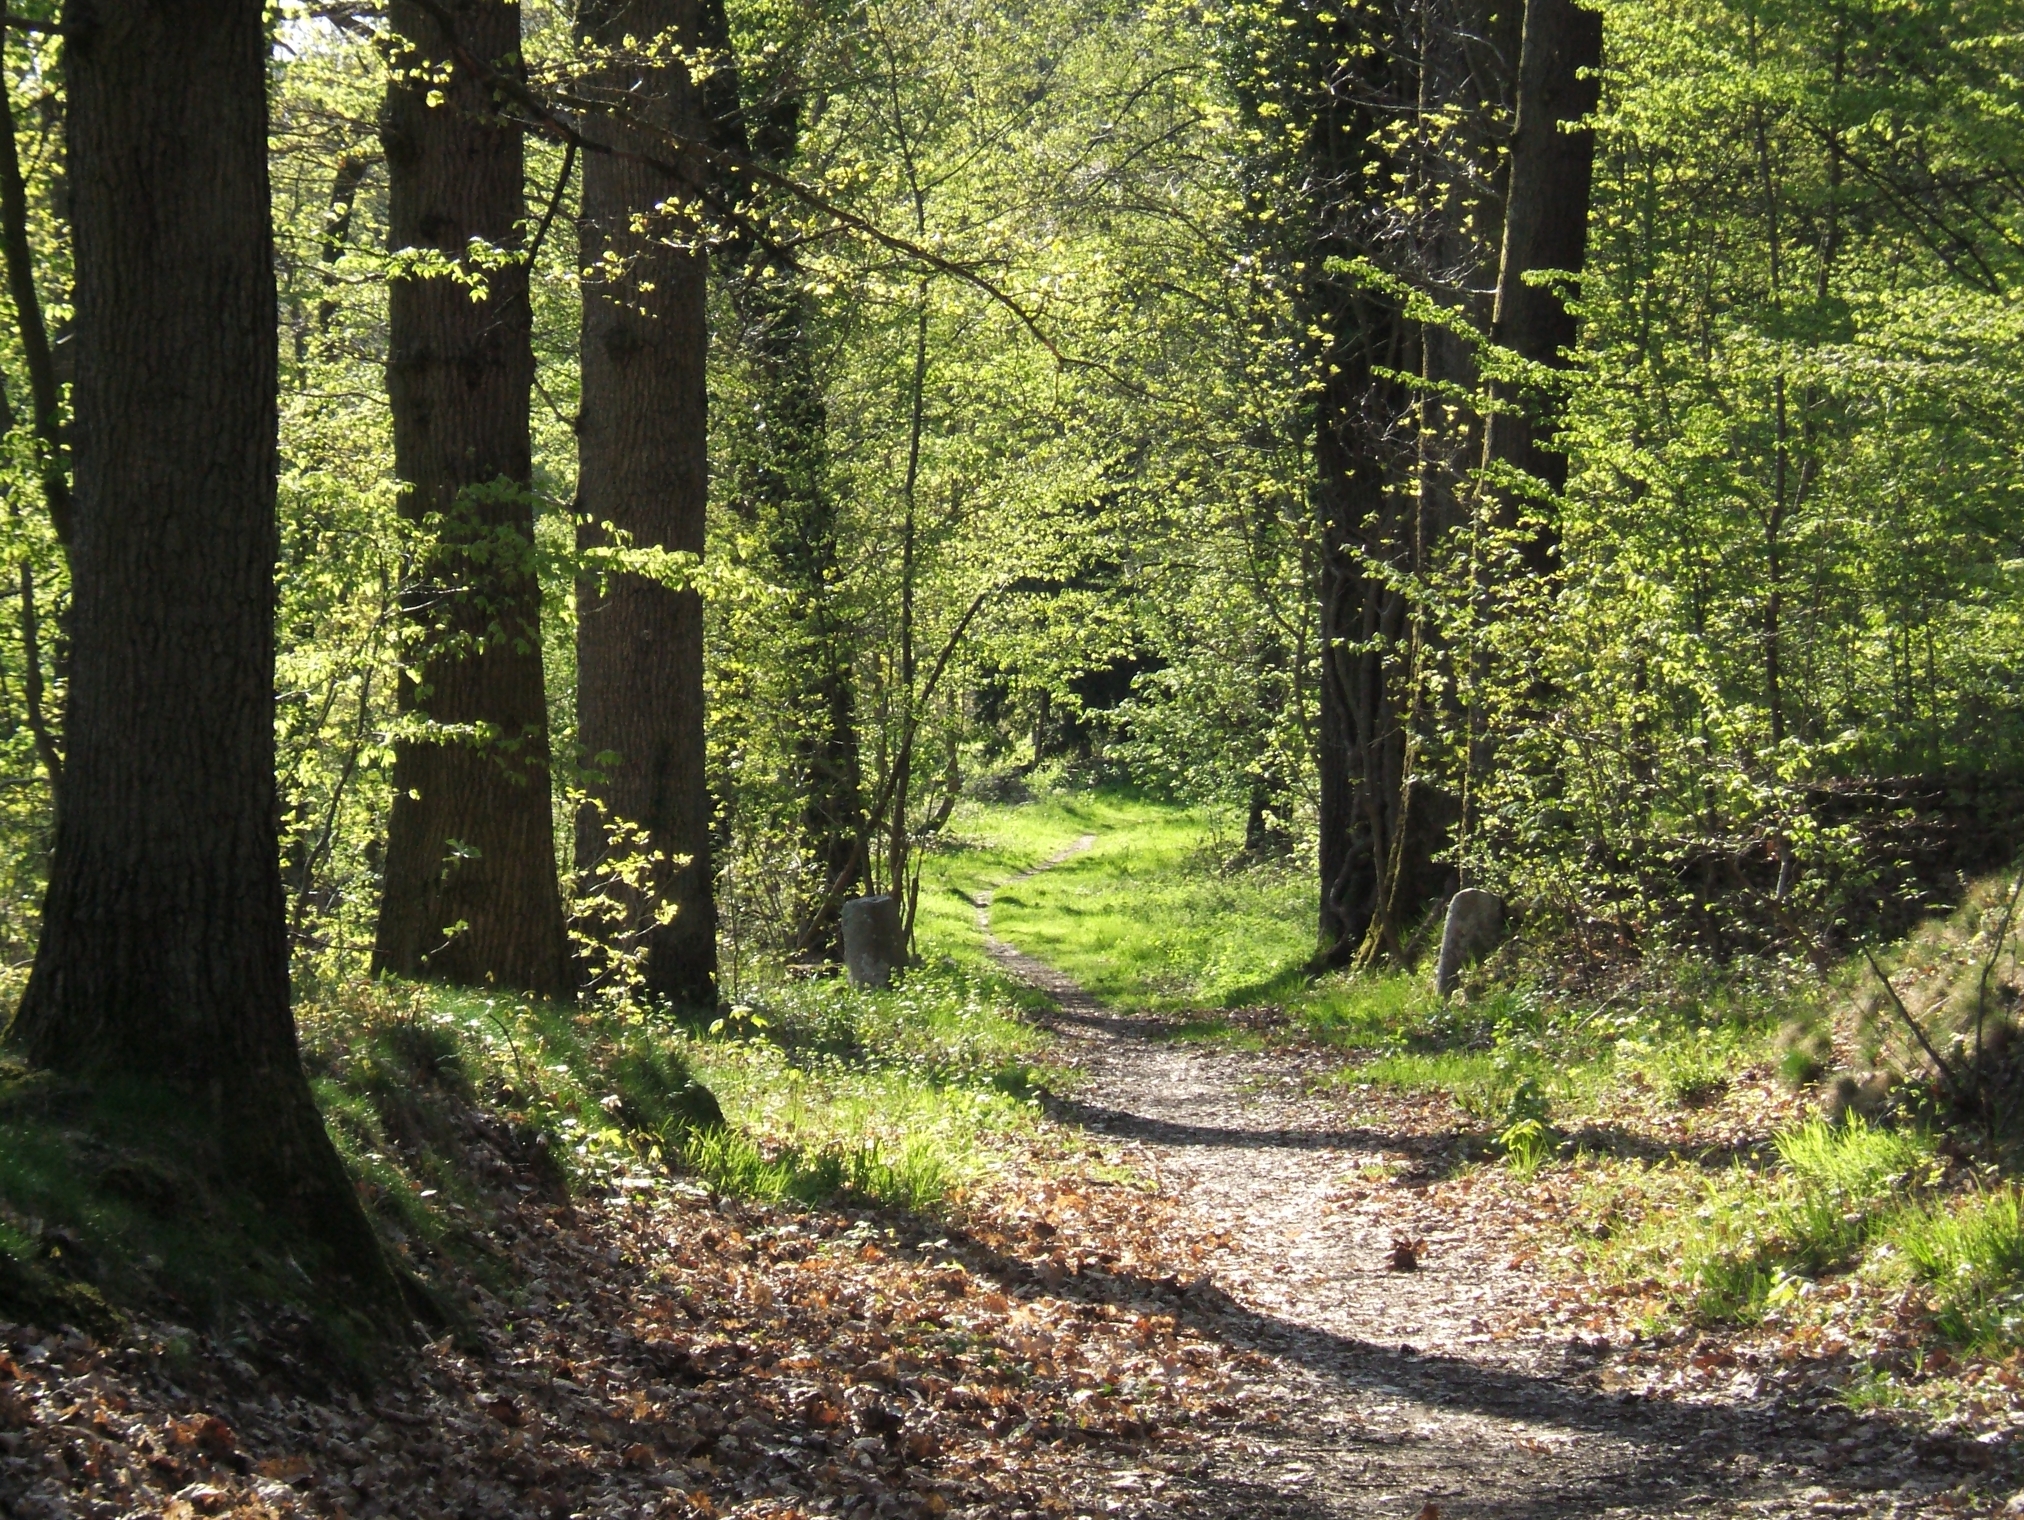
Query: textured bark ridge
{"x": 164, "y": 955}
{"x": 643, "y": 459}
{"x": 471, "y": 893}
{"x": 1546, "y": 223}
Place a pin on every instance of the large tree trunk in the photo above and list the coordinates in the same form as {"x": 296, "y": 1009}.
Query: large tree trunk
{"x": 164, "y": 956}
{"x": 1545, "y": 228}
{"x": 643, "y": 463}
{"x": 1380, "y": 821}
{"x": 470, "y": 891}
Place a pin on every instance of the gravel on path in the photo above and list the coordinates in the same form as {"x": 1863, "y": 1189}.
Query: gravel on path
{"x": 1405, "y": 1392}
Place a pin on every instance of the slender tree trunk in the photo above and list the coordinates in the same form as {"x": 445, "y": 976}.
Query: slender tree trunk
{"x": 788, "y": 496}
{"x": 43, "y": 392}
{"x": 1545, "y": 228}
{"x": 802, "y": 535}
{"x": 1781, "y": 457}
{"x": 1550, "y": 174}
{"x": 470, "y": 893}
{"x": 344, "y": 187}
{"x": 47, "y": 748}
{"x": 643, "y": 463}
{"x": 899, "y": 836}
{"x": 164, "y": 956}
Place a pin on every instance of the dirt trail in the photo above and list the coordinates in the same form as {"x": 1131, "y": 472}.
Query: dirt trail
{"x": 1403, "y": 1390}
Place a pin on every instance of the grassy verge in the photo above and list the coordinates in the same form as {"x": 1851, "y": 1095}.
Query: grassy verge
{"x": 899, "y": 1096}
{"x": 443, "y": 1102}
{"x": 1850, "y": 1219}
{"x": 1678, "y": 1114}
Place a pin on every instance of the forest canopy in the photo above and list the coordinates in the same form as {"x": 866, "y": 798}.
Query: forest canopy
{"x": 1167, "y": 395}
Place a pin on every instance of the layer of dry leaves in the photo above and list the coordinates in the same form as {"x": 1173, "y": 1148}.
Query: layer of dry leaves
{"x": 675, "y": 1355}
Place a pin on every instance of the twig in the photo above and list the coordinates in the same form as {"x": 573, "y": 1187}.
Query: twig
{"x": 1989, "y": 966}
{"x": 1918, "y": 1031}
{"x": 554, "y": 201}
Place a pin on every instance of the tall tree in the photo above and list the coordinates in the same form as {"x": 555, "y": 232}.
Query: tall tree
{"x": 643, "y": 472}
{"x": 783, "y": 487}
{"x": 164, "y": 955}
{"x": 1545, "y": 229}
{"x": 1380, "y": 823}
{"x": 1549, "y": 178}
{"x": 470, "y": 891}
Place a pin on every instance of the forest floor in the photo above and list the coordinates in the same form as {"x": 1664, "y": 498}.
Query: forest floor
{"x": 1418, "y": 1358}
{"x": 1221, "y": 1274}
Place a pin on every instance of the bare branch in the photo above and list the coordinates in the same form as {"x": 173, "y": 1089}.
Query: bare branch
{"x": 1918, "y": 1030}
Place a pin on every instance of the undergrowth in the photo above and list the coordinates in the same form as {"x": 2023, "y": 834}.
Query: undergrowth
{"x": 445, "y": 1102}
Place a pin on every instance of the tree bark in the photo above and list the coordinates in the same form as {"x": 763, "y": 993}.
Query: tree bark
{"x": 1380, "y": 822}
{"x": 642, "y": 448}
{"x": 470, "y": 893}
{"x": 786, "y": 494}
{"x": 164, "y": 956}
{"x": 1545, "y": 228}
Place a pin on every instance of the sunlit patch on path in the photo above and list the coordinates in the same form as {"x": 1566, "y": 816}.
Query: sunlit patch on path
{"x": 1421, "y": 1392}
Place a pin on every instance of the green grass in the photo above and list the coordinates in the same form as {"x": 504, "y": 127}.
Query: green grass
{"x": 1161, "y": 915}
{"x": 810, "y": 1092}
{"x": 1149, "y": 918}
{"x": 1971, "y": 1254}
{"x": 989, "y": 843}
{"x": 1734, "y": 1245}
{"x": 897, "y": 1096}
{"x": 1845, "y": 1198}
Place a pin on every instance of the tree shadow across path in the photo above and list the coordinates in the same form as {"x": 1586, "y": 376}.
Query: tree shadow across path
{"x": 1391, "y": 1392}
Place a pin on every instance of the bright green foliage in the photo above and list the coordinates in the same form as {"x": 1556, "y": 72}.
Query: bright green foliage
{"x": 1973, "y": 1257}
{"x": 1791, "y": 534}
{"x": 1740, "y": 1243}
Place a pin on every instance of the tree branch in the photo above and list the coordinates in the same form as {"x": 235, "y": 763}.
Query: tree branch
{"x": 1918, "y": 1031}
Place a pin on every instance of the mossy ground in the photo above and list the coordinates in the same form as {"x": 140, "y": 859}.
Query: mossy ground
{"x": 443, "y": 1103}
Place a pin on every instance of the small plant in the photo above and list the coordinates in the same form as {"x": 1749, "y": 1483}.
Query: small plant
{"x": 1524, "y": 1144}
{"x": 1973, "y": 1257}
{"x": 1805, "y": 1049}
{"x": 1690, "y": 1076}
{"x": 1528, "y": 1103}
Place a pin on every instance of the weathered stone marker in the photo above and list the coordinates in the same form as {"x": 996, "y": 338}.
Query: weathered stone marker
{"x": 1474, "y": 926}
{"x": 871, "y": 940}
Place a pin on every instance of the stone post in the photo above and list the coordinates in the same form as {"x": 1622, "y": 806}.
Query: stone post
{"x": 871, "y": 940}
{"x": 1474, "y": 926}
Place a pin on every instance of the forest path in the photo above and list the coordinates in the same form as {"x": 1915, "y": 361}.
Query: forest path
{"x": 1407, "y": 1393}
